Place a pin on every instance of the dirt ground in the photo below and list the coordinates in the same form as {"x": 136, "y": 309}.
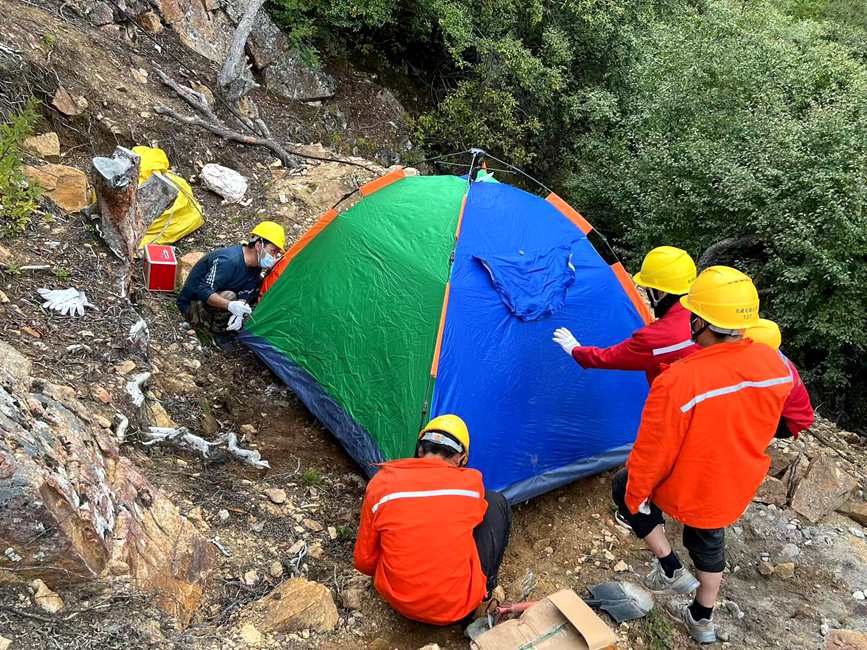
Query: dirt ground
{"x": 566, "y": 538}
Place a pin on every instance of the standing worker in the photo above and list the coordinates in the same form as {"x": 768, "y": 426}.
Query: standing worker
{"x": 797, "y": 411}
{"x": 430, "y": 535}
{"x": 700, "y": 451}
{"x": 667, "y": 273}
{"x": 222, "y": 285}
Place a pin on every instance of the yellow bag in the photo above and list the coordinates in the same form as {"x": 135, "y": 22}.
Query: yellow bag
{"x": 185, "y": 214}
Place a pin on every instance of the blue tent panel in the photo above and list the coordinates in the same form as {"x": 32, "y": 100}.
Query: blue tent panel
{"x": 536, "y": 419}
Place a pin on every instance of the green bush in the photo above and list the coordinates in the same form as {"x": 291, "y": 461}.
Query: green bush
{"x": 743, "y": 122}
{"x": 18, "y": 198}
{"x": 665, "y": 121}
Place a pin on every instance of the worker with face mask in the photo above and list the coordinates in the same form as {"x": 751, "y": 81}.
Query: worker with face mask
{"x": 699, "y": 455}
{"x": 666, "y": 273}
{"x": 223, "y": 285}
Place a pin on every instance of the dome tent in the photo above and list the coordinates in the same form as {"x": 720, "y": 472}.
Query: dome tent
{"x": 437, "y": 294}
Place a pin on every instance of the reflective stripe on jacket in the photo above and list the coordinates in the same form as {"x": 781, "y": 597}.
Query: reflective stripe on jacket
{"x": 797, "y": 411}
{"x": 663, "y": 341}
{"x": 416, "y": 538}
{"x": 700, "y": 450}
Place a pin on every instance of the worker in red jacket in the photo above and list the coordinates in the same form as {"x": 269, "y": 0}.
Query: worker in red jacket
{"x": 667, "y": 273}
{"x": 700, "y": 451}
{"x": 430, "y": 535}
{"x": 797, "y": 411}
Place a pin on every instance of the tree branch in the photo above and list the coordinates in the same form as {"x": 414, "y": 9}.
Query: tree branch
{"x": 285, "y": 157}
{"x": 193, "y": 98}
{"x": 235, "y": 78}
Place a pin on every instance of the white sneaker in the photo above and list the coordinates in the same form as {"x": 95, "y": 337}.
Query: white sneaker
{"x": 703, "y": 631}
{"x": 682, "y": 582}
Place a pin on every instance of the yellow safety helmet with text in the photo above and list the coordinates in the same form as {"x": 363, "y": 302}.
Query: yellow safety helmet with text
{"x": 767, "y": 332}
{"x": 272, "y": 232}
{"x": 724, "y": 297}
{"x": 668, "y": 269}
{"x": 451, "y": 425}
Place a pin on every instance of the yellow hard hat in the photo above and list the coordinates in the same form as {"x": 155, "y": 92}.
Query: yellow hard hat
{"x": 668, "y": 269}
{"x": 272, "y": 232}
{"x": 451, "y": 425}
{"x": 724, "y": 297}
{"x": 767, "y": 332}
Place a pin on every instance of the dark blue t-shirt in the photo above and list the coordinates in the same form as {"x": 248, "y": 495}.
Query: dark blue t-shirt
{"x": 221, "y": 270}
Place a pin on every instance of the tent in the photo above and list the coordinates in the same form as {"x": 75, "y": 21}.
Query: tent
{"x": 433, "y": 295}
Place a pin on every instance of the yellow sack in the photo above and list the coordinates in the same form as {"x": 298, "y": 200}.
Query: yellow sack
{"x": 184, "y": 216}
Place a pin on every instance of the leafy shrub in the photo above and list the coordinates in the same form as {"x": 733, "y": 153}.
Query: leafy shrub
{"x": 18, "y": 199}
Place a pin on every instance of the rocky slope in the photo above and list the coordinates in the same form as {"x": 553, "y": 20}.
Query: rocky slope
{"x": 138, "y": 545}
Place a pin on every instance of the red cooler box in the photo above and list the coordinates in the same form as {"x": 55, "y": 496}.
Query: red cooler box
{"x": 160, "y": 267}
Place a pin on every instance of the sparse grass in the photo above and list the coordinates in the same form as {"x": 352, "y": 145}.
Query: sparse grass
{"x": 18, "y": 198}
{"x": 62, "y": 273}
{"x": 312, "y": 476}
{"x": 658, "y": 630}
{"x": 344, "y": 533}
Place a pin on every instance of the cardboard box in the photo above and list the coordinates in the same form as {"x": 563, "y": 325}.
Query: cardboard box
{"x": 562, "y": 621}
{"x": 160, "y": 267}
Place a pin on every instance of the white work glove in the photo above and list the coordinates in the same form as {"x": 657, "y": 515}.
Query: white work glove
{"x": 239, "y": 308}
{"x": 563, "y": 337}
{"x": 68, "y": 302}
{"x": 235, "y": 323}
{"x": 644, "y": 508}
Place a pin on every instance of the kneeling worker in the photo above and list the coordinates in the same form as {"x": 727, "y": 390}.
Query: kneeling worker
{"x": 224, "y": 283}
{"x": 430, "y": 535}
{"x": 700, "y": 451}
{"x": 667, "y": 273}
{"x": 798, "y": 410}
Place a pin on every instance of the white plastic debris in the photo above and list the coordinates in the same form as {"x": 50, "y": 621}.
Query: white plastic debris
{"x": 133, "y": 388}
{"x": 139, "y": 334}
{"x": 224, "y": 181}
{"x": 67, "y": 302}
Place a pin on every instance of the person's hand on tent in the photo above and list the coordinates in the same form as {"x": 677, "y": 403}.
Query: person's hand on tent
{"x": 239, "y": 308}
{"x": 235, "y": 323}
{"x": 564, "y": 338}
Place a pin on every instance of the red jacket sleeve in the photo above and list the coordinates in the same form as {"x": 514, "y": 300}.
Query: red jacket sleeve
{"x": 797, "y": 410}
{"x": 631, "y": 354}
{"x": 367, "y": 547}
{"x": 659, "y": 439}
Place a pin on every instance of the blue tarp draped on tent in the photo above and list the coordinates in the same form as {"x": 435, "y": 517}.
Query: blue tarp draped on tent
{"x": 537, "y": 420}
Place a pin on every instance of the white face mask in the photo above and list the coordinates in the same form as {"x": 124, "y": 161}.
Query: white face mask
{"x": 266, "y": 260}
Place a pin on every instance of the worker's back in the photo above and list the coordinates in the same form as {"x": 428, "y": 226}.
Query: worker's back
{"x": 707, "y": 423}
{"x": 416, "y": 538}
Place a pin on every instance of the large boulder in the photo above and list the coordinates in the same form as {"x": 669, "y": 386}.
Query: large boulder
{"x": 65, "y": 186}
{"x": 72, "y": 509}
{"x": 297, "y": 604}
{"x": 289, "y": 77}
{"x": 823, "y": 489}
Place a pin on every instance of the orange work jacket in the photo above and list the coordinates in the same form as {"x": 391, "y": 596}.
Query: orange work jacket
{"x": 700, "y": 450}
{"x": 416, "y": 538}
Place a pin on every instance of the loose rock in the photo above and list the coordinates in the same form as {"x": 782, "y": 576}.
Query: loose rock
{"x": 224, "y": 181}
{"x": 5, "y": 643}
{"x": 771, "y": 491}
{"x": 297, "y": 604}
{"x": 846, "y": 640}
{"x": 250, "y": 634}
{"x": 101, "y": 14}
{"x": 276, "y": 495}
{"x": 250, "y": 577}
{"x": 223, "y": 516}
{"x": 64, "y": 102}
{"x": 351, "y": 597}
{"x": 621, "y": 566}
{"x": 855, "y": 510}
{"x": 765, "y": 568}
{"x": 65, "y": 186}
{"x": 824, "y": 488}
{"x": 125, "y": 367}
{"x": 315, "y": 551}
{"x": 46, "y": 599}
{"x": 150, "y": 22}
{"x": 45, "y": 146}
{"x": 312, "y": 525}
{"x": 786, "y": 570}
{"x": 275, "y": 569}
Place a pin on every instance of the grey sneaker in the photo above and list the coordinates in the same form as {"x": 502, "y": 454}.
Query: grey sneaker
{"x": 682, "y": 582}
{"x": 703, "y": 631}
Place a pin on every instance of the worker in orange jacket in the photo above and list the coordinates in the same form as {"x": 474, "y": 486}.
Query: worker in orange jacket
{"x": 797, "y": 411}
{"x": 430, "y": 535}
{"x": 666, "y": 274}
{"x": 700, "y": 451}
